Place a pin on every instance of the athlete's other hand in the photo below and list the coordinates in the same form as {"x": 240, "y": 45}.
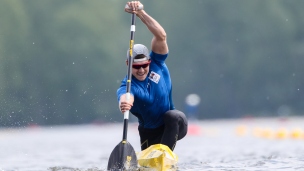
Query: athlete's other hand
{"x": 134, "y": 7}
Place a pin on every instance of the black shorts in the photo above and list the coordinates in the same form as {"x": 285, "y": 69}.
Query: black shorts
{"x": 175, "y": 128}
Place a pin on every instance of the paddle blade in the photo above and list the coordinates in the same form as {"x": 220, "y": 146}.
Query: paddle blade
{"x": 123, "y": 157}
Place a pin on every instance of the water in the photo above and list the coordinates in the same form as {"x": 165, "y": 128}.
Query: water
{"x": 232, "y": 145}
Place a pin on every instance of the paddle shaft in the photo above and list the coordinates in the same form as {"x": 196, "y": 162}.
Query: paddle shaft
{"x": 123, "y": 157}
{"x": 129, "y": 77}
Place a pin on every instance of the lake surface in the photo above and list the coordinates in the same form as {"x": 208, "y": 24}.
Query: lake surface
{"x": 212, "y": 145}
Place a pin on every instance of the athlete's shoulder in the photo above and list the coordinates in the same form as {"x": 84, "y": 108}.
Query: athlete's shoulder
{"x": 158, "y": 57}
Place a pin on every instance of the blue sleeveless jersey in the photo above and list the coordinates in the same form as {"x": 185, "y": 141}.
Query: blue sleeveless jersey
{"x": 152, "y": 97}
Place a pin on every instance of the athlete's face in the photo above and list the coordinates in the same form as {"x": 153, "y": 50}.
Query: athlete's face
{"x": 140, "y": 70}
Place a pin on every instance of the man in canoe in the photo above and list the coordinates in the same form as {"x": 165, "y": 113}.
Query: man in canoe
{"x": 151, "y": 91}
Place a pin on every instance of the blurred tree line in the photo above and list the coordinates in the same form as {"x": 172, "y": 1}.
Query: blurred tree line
{"x": 62, "y": 60}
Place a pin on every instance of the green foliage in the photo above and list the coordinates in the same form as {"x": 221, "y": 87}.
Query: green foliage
{"x": 62, "y": 61}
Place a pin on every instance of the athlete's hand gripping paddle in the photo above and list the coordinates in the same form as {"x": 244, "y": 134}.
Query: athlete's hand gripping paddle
{"x": 123, "y": 157}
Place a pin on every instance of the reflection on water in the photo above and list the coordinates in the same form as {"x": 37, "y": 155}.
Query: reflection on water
{"x": 241, "y": 145}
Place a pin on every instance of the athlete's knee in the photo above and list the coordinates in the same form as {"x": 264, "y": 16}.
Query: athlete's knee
{"x": 175, "y": 117}
{"x": 170, "y": 117}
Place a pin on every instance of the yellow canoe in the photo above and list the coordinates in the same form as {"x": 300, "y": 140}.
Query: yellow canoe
{"x": 157, "y": 157}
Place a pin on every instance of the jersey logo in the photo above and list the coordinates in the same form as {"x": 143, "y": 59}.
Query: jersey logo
{"x": 154, "y": 77}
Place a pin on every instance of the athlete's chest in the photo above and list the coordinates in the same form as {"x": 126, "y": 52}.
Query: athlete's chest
{"x": 153, "y": 89}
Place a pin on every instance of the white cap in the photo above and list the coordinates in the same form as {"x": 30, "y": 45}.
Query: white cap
{"x": 139, "y": 49}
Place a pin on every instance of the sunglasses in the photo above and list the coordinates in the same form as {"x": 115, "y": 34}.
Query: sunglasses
{"x": 141, "y": 66}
